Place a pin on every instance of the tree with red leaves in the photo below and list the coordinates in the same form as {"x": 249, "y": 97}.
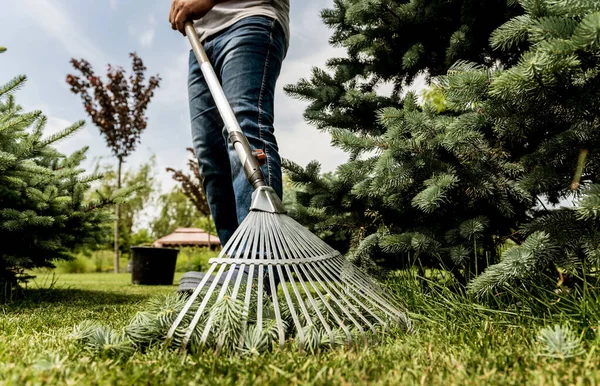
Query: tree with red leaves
{"x": 192, "y": 187}
{"x": 117, "y": 107}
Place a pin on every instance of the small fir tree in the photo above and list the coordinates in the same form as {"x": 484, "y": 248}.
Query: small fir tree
{"x": 44, "y": 213}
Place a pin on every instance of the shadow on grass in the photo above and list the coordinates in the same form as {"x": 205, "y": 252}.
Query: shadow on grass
{"x": 40, "y": 297}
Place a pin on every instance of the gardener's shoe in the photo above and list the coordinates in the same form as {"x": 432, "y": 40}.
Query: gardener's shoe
{"x": 190, "y": 280}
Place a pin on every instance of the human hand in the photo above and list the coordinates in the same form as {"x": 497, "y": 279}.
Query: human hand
{"x": 184, "y": 10}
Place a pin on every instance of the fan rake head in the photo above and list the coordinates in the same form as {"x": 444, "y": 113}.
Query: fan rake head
{"x": 274, "y": 280}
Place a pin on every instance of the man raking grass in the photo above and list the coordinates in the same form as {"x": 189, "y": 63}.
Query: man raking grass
{"x": 273, "y": 279}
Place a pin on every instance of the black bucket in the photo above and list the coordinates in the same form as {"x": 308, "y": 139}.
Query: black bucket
{"x": 153, "y": 266}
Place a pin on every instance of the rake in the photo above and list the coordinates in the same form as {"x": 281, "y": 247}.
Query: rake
{"x": 281, "y": 278}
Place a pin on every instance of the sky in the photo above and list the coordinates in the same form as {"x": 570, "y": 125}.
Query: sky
{"x": 43, "y": 35}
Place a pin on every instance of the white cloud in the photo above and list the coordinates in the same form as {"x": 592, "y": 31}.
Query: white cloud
{"x": 113, "y": 4}
{"x": 56, "y": 22}
{"x": 306, "y": 25}
{"x": 302, "y": 144}
{"x": 55, "y": 124}
{"x": 147, "y": 37}
{"x": 144, "y": 33}
{"x": 173, "y": 87}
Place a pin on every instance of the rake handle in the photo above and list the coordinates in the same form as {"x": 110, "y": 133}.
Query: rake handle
{"x": 251, "y": 165}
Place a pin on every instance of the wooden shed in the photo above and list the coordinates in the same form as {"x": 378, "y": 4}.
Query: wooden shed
{"x": 188, "y": 237}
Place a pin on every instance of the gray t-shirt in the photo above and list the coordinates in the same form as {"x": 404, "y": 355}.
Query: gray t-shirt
{"x": 228, "y": 12}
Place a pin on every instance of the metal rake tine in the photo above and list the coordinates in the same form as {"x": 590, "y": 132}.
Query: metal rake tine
{"x": 195, "y": 294}
{"x": 300, "y": 239}
{"x": 221, "y": 339}
{"x": 246, "y": 231}
{"x": 249, "y": 251}
{"x": 200, "y": 310}
{"x": 234, "y": 241}
{"x": 322, "y": 268}
{"x": 247, "y": 300}
{"x": 189, "y": 303}
{"x": 274, "y": 298}
{"x": 363, "y": 280}
{"x": 276, "y": 258}
{"x": 364, "y": 291}
{"x": 252, "y": 239}
{"x": 310, "y": 238}
{"x": 278, "y": 318}
{"x": 314, "y": 244}
{"x": 278, "y": 238}
{"x": 291, "y": 250}
{"x": 376, "y": 299}
{"x": 273, "y": 254}
{"x": 378, "y": 295}
{"x": 261, "y": 279}
{"x": 224, "y": 287}
{"x": 249, "y": 281}
{"x": 306, "y": 268}
{"x": 283, "y": 245}
{"x": 313, "y": 276}
{"x": 318, "y": 276}
{"x": 332, "y": 273}
{"x": 358, "y": 289}
{"x": 367, "y": 279}
{"x": 306, "y": 272}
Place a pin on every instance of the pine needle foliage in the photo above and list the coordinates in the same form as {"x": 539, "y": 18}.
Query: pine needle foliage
{"x": 44, "y": 214}
{"x": 559, "y": 342}
{"x": 223, "y": 324}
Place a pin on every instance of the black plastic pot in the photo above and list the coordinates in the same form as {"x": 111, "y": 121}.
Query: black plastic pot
{"x": 153, "y": 266}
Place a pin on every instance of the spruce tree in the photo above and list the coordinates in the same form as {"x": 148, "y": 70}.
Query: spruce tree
{"x": 387, "y": 42}
{"x": 449, "y": 181}
{"x": 44, "y": 213}
{"x": 546, "y": 110}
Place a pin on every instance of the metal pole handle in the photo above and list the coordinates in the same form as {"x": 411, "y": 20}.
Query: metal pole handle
{"x": 238, "y": 139}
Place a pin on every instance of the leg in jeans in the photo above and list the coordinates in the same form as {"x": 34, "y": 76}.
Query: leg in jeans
{"x": 211, "y": 151}
{"x": 247, "y": 59}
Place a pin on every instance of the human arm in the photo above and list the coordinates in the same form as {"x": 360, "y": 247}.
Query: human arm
{"x": 184, "y": 10}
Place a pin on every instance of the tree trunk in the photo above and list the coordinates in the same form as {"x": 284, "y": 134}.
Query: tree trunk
{"x": 117, "y": 221}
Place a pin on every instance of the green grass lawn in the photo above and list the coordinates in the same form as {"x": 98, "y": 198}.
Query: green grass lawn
{"x": 455, "y": 344}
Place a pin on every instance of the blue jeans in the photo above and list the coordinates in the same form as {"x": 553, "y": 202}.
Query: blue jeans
{"x": 247, "y": 59}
